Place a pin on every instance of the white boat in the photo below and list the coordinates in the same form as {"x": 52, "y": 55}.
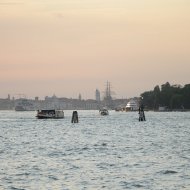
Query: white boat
{"x": 50, "y": 114}
{"x": 104, "y": 111}
{"x": 132, "y": 106}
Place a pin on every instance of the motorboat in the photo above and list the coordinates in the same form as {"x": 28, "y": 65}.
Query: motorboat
{"x": 50, "y": 114}
{"x": 104, "y": 111}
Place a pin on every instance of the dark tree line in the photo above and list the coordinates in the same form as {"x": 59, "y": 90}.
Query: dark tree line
{"x": 171, "y": 96}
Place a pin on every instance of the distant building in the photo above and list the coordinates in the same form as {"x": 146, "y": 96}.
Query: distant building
{"x": 6, "y": 104}
{"x": 51, "y": 102}
{"x": 80, "y": 97}
{"x": 97, "y": 95}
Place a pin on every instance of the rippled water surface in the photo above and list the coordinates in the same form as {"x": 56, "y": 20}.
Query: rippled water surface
{"x": 100, "y": 152}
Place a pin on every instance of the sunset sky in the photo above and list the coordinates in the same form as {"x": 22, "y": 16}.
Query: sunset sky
{"x": 67, "y": 47}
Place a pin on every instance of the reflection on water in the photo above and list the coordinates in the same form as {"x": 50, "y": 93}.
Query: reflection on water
{"x": 112, "y": 152}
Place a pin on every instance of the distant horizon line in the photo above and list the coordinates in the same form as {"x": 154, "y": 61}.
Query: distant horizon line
{"x": 9, "y": 97}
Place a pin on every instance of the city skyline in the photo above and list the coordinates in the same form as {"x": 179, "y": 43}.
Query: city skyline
{"x": 69, "y": 47}
{"x": 98, "y": 95}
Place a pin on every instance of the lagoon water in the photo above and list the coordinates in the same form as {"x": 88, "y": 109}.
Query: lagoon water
{"x": 112, "y": 152}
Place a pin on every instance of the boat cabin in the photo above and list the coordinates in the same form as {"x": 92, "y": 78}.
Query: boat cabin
{"x": 46, "y": 114}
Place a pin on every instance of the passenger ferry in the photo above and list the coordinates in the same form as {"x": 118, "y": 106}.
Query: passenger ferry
{"x": 50, "y": 114}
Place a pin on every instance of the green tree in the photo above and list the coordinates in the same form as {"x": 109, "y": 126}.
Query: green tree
{"x": 156, "y": 97}
{"x": 165, "y": 94}
{"x": 148, "y": 99}
{"x": 176, "y": 101}
{"x": 173, "y": 97}
{"x": 186, "y": 96}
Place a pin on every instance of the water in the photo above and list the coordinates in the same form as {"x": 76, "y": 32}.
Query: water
{"x": 100, "y": 152}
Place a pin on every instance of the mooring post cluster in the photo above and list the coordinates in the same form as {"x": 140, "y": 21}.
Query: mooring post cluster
{"x": 141, "y": 113}
{"x": 75, "y": 118}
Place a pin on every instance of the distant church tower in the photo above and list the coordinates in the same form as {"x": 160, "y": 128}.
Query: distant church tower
{"x": 97, "y": 95}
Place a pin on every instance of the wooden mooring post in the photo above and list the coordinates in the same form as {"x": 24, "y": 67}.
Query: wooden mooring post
{"x": 75, "y": 118}
{"x": 141, "y": 113}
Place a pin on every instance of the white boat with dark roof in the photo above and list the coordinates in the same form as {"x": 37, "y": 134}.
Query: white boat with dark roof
{"x": 50, "y": 114}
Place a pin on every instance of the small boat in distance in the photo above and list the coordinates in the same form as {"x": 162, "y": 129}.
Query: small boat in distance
{"x": 104, "y": 111}
{"x": 50, "y": 114}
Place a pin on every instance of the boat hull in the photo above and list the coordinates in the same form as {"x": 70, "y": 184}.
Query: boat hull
{"x": 46, "y": 117}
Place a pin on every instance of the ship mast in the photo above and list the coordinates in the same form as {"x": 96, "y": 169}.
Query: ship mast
{"x": 108, "y": 91}
{"x": 108, "y": 95}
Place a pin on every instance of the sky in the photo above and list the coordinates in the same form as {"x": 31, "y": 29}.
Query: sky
{"x": 67, "y": 47}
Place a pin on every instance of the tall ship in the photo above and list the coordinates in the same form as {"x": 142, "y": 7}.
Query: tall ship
{"x": 108, "y": 100}
{"x": 24, "y": 105}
